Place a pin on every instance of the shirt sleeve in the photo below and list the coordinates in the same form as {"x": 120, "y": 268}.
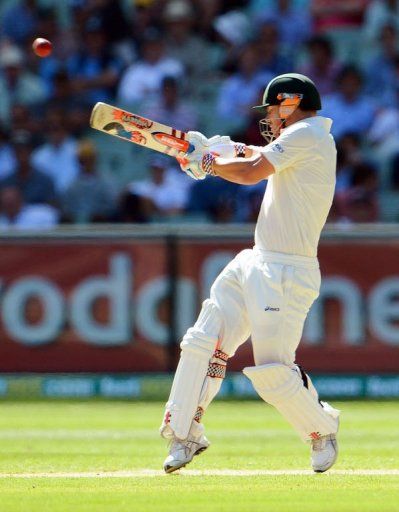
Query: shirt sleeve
{"x": 289, "y": 147}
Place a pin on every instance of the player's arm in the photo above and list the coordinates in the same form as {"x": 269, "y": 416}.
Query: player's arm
{"x": 229, "y": 160}
{"x": 244, "y": 171}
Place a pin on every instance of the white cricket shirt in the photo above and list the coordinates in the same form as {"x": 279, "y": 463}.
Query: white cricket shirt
{"x": 299, "y": 194}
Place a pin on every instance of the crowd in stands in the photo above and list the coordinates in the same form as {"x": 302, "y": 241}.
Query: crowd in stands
{"x": 195, "y": 65}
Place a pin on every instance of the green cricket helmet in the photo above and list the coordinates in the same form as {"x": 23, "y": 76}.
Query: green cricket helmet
{"x": 289, "y": 91}
{"x": 288, "y": 84}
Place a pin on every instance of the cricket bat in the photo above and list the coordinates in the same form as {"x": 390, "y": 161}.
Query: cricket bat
{"x": 139, "y": 130}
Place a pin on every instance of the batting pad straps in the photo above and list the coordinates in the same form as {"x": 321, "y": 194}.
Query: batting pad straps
{"x": 283, "y": 388}
{"x": 214, "y": 378}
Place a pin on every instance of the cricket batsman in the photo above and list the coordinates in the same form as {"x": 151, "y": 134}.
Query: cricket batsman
{"x": 264, "y": 292}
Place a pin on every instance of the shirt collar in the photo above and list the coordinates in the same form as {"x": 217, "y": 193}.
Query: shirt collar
{"x": 323, "y": 122}
{"x": 320, "y": 121}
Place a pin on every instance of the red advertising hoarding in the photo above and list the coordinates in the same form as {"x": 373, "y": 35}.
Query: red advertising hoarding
{"x": 100, "y": 305}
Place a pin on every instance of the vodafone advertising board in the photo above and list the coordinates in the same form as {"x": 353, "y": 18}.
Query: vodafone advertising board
{"x": 101, "y": 305}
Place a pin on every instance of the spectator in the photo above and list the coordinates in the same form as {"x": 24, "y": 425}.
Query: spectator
{"x": 133, "y": 208}
{"x": 89, "y": 198}
{"x": 16, "y": 84}
{"x": 170, "y": 109}
{"x": 356, "y": 188}
{"x": 385, "y": 80}
{"x": 114, "y": 21}
{"x": 111, "y": 17}
{"x": 78, "y": 121}
{"x": 233, "y": 31}
{"x": 348, "y": 155}
{"x": 350, "y": 109}
{"x": 385, "y": 127}
{"x": 144, "y": 21}
{"x": 233, "y": 27}
{"x": 215, "y": 199}
{"x": 209, "y": 13}
{"x": 384, "y": 131}
{"x": 76, "y": 113}
{"x": 47, "y": 26}
{"x": 239, "y": 92}
{"x": 164, "y": 194}
{"x": 94, "y": 70}
{"x": 65, "y": 44}
{"x": 34, "y": 186}
{"x": 22, "y": 118}
{"x": 273, "y": 59}
{"x": 57, "y": 157}
{"x": 341, "y": 20}
{"x": 62, "y": 91}
{"x": 361, "y": 199}
{"x": 19, "y": 21}
{"x": 17, "y": 215}
{"x": 378, "y": 14}
{"x": 182, "y": 44}
{"x": 142, "y": 80}
{"x": 336, "y": 14}
{"x": 7, "y": 158}
{"x": 287, "y": 15}
{"x": 322, "y": 67}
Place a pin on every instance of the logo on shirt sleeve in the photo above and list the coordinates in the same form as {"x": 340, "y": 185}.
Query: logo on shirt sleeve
{"x": 277, "y": 147}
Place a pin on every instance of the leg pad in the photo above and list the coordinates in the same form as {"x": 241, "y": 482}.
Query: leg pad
{"x": 282, "y": 387}
{"x": 198, "y": 376}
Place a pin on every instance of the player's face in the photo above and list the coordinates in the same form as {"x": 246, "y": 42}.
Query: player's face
{"x": 270, "y": 126}
{"x": 274, "y": 120}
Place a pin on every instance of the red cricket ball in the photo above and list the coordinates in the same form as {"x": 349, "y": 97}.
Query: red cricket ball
{"x": 42, "y": 47}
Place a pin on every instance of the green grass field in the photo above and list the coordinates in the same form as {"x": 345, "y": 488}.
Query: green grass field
{"x": 72, "y": 447}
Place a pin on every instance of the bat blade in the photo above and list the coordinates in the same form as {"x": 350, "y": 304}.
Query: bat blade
{"x": 139, "y": 130}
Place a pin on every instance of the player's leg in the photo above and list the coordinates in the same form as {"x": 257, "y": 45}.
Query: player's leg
{"x": 278, "y": 299}
{"x": 220, "y": 329}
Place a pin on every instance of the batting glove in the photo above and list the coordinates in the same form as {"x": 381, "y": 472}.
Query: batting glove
{"x": 191, "y": 163}
{"x": 198, "y": 166}
{"x": 198, "y": 163}
{"x": 202, "y": 144}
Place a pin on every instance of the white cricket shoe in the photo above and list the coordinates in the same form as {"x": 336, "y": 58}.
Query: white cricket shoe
{"x": 182, "y": 452}
{"x": 324, "y": 453}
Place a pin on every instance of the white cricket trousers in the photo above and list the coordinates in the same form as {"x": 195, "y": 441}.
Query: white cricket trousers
{"x": 265, "y": 295}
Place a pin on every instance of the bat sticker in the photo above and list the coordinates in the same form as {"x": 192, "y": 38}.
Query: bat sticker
{"x": 138, "y": 138}
{"x": 120, "y": 131}
{"x": 171, "y": 141}
{"x": 134, "y": 119}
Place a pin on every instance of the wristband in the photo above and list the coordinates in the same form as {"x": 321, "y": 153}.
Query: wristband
{"x": 207, "y": 164}
{"x": 239, "y": 149}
